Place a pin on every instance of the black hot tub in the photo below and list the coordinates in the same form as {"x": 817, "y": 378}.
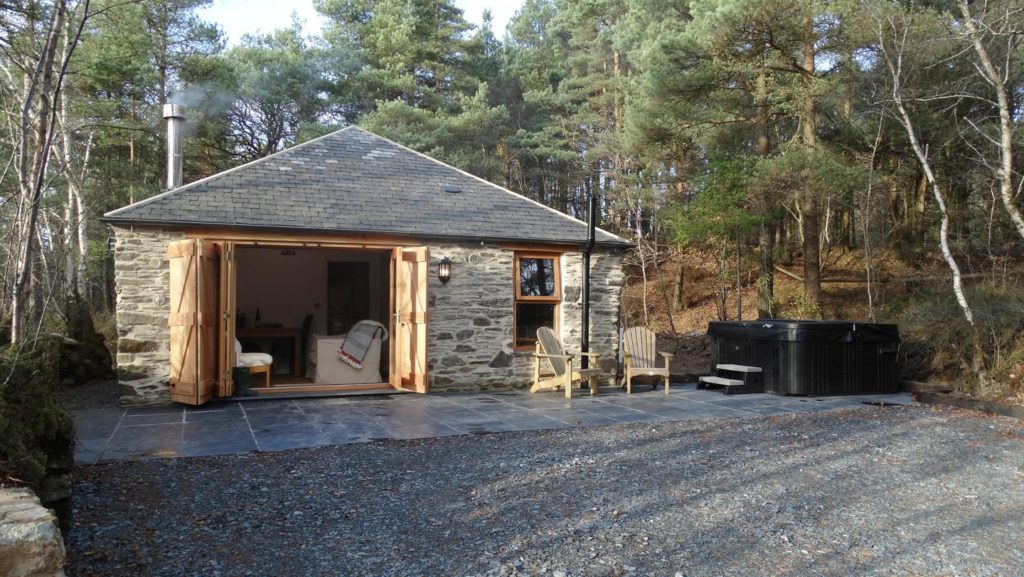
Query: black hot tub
{"x": 811, "y": 357}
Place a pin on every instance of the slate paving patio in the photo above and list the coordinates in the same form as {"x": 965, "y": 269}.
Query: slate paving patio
{"x": 241, "y": 426}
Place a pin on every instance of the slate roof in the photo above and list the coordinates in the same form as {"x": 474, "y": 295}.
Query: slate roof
{"x": 354, "y": 181}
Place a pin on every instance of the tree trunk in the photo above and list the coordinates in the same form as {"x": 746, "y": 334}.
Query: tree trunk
{"x": 77, "y": 245}
{"x": 895, "y": 68}
{"x": 866, "y": 221}
{"x": 739, "y": 284}
{"x": 809, "y": 203}
{"x": 723, "y": 256}
{"x": 892, "y": 193}
{"x": 812, "y": 250}
{"x": 766, "y": 235}
{"x": 1006, "y": 124}
{"x": 766, "y": 274}
{"x": 35, "y": 132}
{"x": 679, "y": 290}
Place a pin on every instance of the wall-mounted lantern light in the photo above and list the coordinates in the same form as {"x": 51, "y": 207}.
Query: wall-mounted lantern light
{"x": 444, "y": 270}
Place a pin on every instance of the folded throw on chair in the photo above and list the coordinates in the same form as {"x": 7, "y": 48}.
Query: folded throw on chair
{"x": 357, "y": 343}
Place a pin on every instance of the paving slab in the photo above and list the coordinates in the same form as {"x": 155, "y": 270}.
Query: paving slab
{"x": 232, "y": 427}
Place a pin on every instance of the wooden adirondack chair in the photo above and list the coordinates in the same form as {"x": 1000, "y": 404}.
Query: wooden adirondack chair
{"x": 638, "y": 345}
{"x": 549, "y": 348}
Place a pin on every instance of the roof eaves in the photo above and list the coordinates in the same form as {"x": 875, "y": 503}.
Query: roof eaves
{"x": 116, "y": 221}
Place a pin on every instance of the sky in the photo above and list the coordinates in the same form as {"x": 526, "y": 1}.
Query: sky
{"x": 238, "y": 17}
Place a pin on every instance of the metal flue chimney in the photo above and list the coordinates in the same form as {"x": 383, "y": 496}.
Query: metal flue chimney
{"x": 175, "y": 116}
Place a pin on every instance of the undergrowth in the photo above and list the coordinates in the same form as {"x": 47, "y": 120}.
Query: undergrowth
{"x": 938, "y": 340}
{"x": 36, "y": 432}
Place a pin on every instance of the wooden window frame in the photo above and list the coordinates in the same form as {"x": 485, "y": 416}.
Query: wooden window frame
{"x": 518, "y": 296}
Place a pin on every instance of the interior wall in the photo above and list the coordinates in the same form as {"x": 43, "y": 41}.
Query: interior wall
{"x": 289, "y": 283}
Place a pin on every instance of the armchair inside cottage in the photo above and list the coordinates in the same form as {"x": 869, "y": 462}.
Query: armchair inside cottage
{"x": 351, "y": 358}
{"x": 552, "y": 366}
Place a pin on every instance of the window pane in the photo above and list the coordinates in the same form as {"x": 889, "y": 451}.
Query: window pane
{"x": 536, "y": 277}
{"x": 529, "y": 318}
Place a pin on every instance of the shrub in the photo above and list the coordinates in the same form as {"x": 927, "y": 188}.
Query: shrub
{"x": 800, "y": 306}
{"x": 938, "y": 339}
{"x": 36, "y": 432}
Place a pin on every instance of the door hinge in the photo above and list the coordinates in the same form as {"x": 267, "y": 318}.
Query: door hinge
{"x": 227, "y": 256}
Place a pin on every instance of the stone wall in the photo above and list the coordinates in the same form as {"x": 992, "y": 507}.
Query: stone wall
{"x": 141, "y": 275}
{"x": 470, "y": 327}
{"x": 469, "y": 343}
{"x": 30, "y": 541}
{"x": 606, "y": 279}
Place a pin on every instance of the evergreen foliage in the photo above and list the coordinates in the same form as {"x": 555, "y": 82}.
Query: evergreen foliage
{"x": 765, "y": 125}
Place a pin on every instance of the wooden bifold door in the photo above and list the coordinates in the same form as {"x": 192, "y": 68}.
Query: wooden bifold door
{"x": 201, "y": 321}
{"x": 409, "y": 358}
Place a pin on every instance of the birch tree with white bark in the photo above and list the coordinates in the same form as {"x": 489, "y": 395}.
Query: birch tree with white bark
{"x": 893, "y": 33}
{"x": 39, "y": 39}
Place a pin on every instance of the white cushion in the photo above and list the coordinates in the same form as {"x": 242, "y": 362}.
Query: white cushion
{"x": 253, "y": 359}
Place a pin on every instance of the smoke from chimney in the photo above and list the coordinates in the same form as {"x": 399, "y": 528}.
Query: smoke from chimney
{"x": 175, "y": 127}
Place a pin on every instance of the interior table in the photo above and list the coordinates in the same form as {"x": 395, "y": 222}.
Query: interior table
{"x": 278, "y": 333}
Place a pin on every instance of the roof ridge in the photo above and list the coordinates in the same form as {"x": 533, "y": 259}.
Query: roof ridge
{"x": 231, "y": 170}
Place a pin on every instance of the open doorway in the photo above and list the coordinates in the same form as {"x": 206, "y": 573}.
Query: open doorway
{"x": 299, "y": 304}
{"x": 218, "y": 286}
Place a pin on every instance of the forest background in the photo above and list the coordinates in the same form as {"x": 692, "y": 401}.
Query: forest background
{"x": 854, "y": 159}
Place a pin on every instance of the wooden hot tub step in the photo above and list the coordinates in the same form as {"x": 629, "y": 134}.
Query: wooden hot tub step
{"x": 721, "y": 381}
{"x": 738, "y": 368}
{"x": 732, "y": 386}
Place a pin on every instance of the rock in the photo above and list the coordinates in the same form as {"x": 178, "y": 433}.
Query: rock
{"x": 572, "y": 293}
{"x": 452, "y": 361}
{"x": 501, "y": 360}
{"x": 136, "y": 346}
{"x": 30, "y": 542}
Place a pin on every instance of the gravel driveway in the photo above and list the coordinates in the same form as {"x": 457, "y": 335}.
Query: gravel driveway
{"x": 901, "y": 491}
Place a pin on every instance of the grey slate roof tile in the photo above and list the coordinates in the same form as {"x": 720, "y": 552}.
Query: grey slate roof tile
{"x": 355, "y": 181}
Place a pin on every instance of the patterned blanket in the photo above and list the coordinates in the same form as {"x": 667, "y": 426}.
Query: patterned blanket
{"x": 357, "y": 343}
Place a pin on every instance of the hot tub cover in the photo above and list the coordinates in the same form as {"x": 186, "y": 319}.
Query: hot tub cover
{"x": 806, "y": 331}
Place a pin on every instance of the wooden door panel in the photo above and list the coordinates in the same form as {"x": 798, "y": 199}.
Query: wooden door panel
{"x": 411, "y": 319}
{"x": 226, "y": 336}
{"x": 193, "y": 320}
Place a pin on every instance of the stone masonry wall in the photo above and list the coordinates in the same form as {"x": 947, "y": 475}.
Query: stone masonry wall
{"x": 606, "y": 279}
{"x": 469, "y": 343}
{"x": 470, "y": 326}
{"x": 141, "y": 275}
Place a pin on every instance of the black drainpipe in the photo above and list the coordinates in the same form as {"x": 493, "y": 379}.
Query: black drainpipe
{"x": 587, "y": 249}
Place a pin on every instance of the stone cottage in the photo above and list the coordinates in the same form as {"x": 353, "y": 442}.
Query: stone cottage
{"x": 447, "y": 275}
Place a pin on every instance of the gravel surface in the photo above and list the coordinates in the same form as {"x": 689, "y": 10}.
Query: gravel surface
{"x": 902, "y": 491}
